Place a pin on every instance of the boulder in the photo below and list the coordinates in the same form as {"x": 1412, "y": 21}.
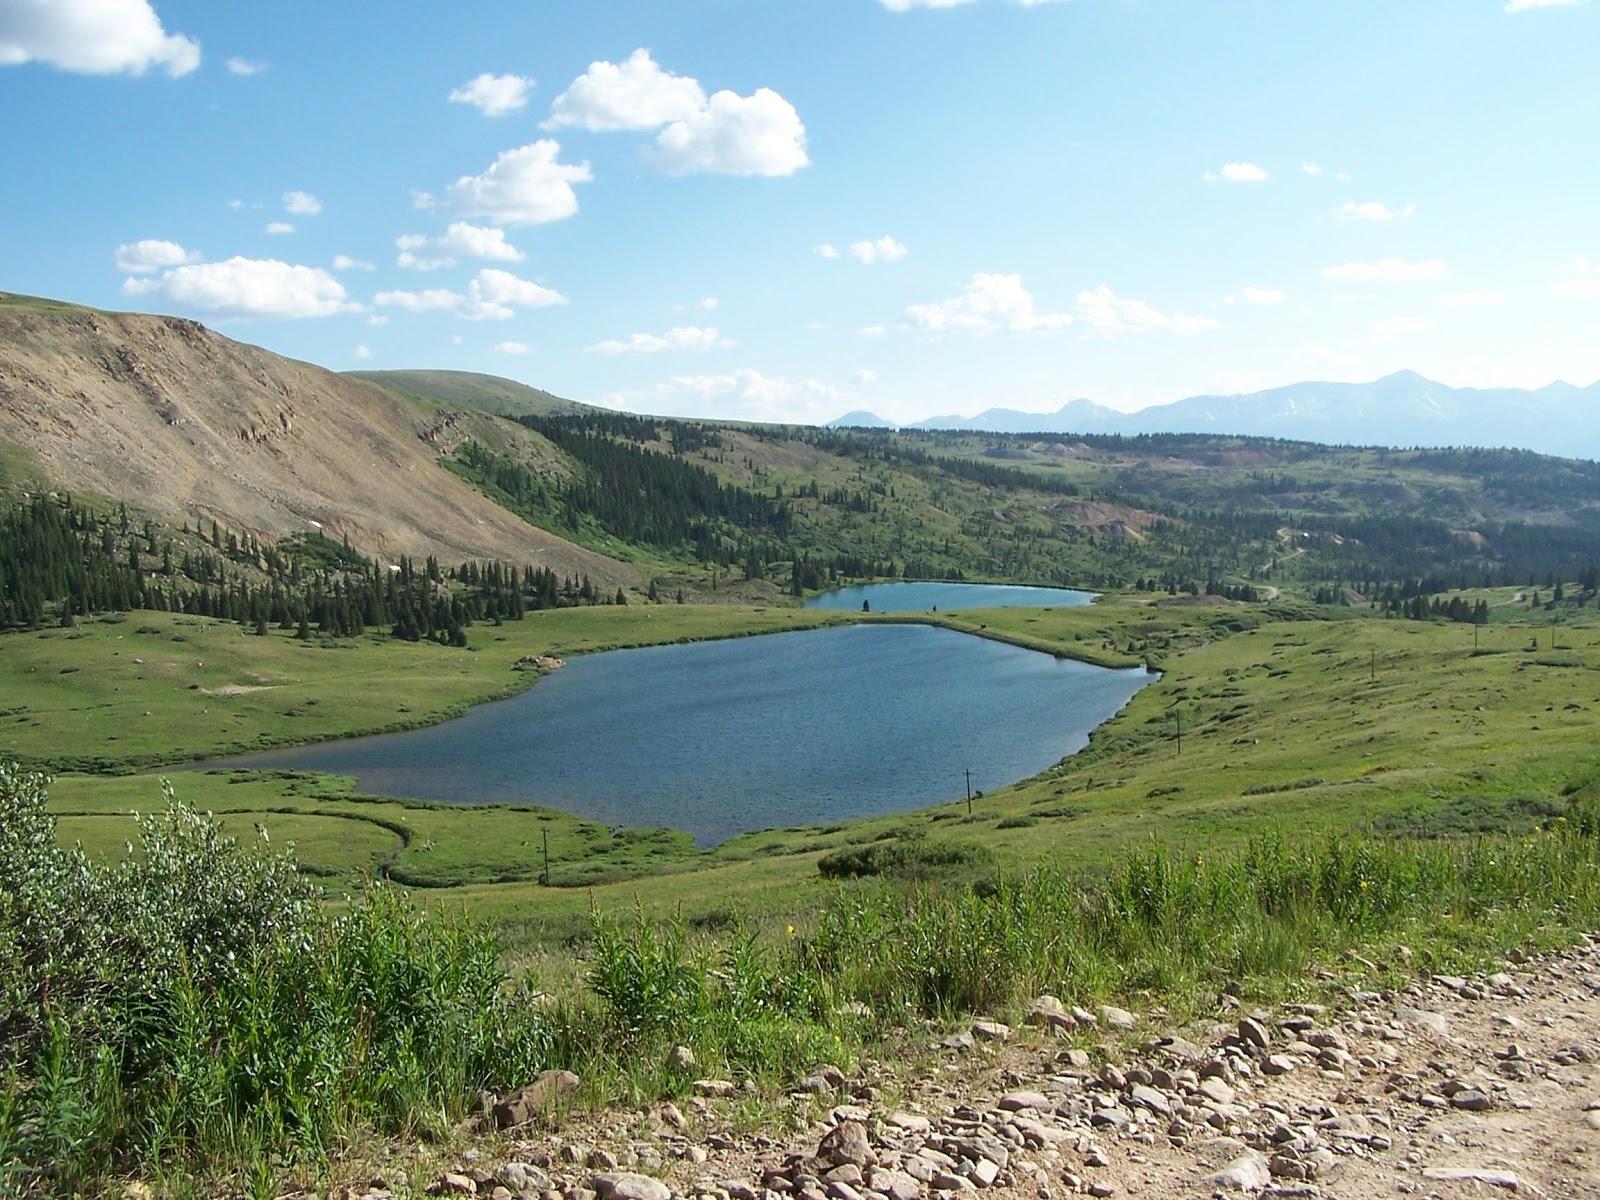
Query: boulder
{"x": 525, "y": 1104}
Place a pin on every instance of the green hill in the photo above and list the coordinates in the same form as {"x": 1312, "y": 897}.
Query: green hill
{"x": 468, "y": 389}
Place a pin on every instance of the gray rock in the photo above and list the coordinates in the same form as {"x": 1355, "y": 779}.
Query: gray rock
{"x": 1472, "y": 1100}
{"x": 949, "y": 1181}
{"x": 523, "y": 1178}
{"x": 1435, "y": 1023}
{"x": 1249, "y": 1172}
{"x": 1019, "y": 1101}
{"x": 628, "y": 1186}
{"x": 1148, "y": 1097}
{"x": 681, "y": 1060}
{"x": 1216, "y": 1089}
{"x": 1254, "y": 1033}
{"x": 991, "y": 1031}
{"x": 715, "y": 1087}
{"x": 847, "y": 1143}
{"x": 1494, "y": 1177}
{"x": 1117, "y": 1018}
{"x": 1049, "y": 1013}
{"x": 897, "y": 1185}
{"x": 523, "y": 1105}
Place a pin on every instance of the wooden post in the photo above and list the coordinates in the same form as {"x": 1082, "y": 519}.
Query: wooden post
{"x": 969, "y": 792}
{"x": 1374, "y": 665}
{"x": 546, "y": 879}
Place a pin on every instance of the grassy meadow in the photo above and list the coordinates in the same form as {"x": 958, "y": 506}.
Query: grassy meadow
{"x": 1294, "y": 720}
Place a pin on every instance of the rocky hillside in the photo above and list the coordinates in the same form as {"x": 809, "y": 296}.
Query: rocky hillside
{"x": 468, "y": 389}
{"x": 183, "y": 422}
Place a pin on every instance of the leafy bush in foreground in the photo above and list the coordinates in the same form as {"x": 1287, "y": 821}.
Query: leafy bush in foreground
{"x": 194, "y": 1001}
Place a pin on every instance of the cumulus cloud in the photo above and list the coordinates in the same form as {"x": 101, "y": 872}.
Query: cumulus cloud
{"x": 827, "y": 250}
{"x": 1386, "y": 270}
{"x": 1516, "y": 6}
{"x": 510, "y": 348}
{"x": 494, "y": 95}
{"x": 248, "y": 287}
{"x": 524, "y": 186}
{"x": 343, "y": 262}
{"x": 744, "y": 395}
{"x": 1237, "y": 172}
{"x": 759, "y": 134}
{"x": 873, "y": 330}
{"x": 1311, "y": 168}
{"x": 245, "y": 67}
{"x": 885, "y": 249}
{"x": 997, "y": 301}
{"x": 708, "y": 304}
{"x": 635, "y": 94}
{"x": 278, "y": 228}
{"x": 724, "y": 134}
{"x": 362, "y": 352}
{"x": 93, "y": 37}
{"x": 494, "y": 295}
{"x": 462, "y": 239}
{"x": 1375, "y": 210}
{"x": 1262, "y": 295}
{"x": 149, "y": 255}
{"x": 301, "y": 204}
{"x": 866, "y": 375}
{"x": 684, "y": 337}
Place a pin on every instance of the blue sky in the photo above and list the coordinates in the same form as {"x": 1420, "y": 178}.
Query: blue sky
{"x": 791, "y": 208}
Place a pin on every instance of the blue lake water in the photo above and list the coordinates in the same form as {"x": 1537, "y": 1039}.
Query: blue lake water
{"x": 947, "y": 597}
{"x": 722, "y": 737}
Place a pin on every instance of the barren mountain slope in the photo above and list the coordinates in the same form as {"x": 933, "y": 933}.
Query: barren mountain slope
{"x": 182, "y": 421}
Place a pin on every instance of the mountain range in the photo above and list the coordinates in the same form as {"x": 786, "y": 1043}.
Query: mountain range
{"x": 1403, "y": 409}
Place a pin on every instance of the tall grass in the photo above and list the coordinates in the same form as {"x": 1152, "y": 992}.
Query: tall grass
{"x": 195, "y": 1008}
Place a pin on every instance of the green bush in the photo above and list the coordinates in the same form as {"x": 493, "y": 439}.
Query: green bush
{"x": 195, "y": 1002}
{"x": 909, "y": 854}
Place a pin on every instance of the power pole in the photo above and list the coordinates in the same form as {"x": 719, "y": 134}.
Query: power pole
{"x": 546, "y": 880}
{"x": 969, "y": 792}
{"x": 1374, "y": 665}
{"x": 1178, "y": 713}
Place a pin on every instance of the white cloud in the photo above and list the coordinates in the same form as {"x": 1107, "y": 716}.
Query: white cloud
{"x": 1402, "y": 325}
{"x": 723, "y": 134}
{"x": 510, "y": 348}
{"x": 525, "y": 186}
{"x": 149, "y": 255}
{"x": 362, "y": 352}
{"x": 278, "y": 228}
{"x": 1311, "y": 168}
{"x": 827, "y": 250}
{"x": 418, "y": 252}
{"x": 1582, "y": 282}
{"x": 996, "y": 301}
{"x": 744, "y": 395}
{"x": 343, "y": 262}
{"x": 634, "y": 95}
{"x": 92, "y": 37}
{"x": 759, "y": 134}
{"x": 1375, "y": 210}
{"x": 1473, "y": 299}
{"x": 685, "y": 337}
{"x": 873, "y": 330}
{"x": 1262, "y": 295}
{"x": 249, "y": 287}
{"x": 1386, "y": 270}
{"x": 885, "y": 249}
{"x": 1516, "y": 6}
{"x": 429, "y": 300}
{"x": 866, "y": 376}
{"x": 494, "y": 95}
{"x": 493, "y": 295}
{"x": 1108, "y": 315}
{"x": 301, "y": 204}
{"x": 245, "y": 67}
{"x": 1238, "y": 172}
{"x": 708, "y": 304}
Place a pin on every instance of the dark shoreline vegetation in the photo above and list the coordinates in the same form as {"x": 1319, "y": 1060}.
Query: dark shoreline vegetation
{"x": 149, "y": 1028}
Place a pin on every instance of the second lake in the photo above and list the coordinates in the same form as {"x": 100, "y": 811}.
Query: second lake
{"x": 719, "y": 738}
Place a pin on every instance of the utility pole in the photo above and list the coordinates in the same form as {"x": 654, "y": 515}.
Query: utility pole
{"x": 546, "y": 833}
{"x": 969, "y": 792}
{"x": 1178, "y": 713}
{"x": 1374, "y": 665}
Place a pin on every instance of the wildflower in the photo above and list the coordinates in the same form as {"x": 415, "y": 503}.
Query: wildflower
{"x": 790, "y": 930}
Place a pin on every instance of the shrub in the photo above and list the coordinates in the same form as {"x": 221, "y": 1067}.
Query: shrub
{"x": 910, "y": 854}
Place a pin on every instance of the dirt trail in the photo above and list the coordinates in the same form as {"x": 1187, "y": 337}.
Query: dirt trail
{"x": 1486, "y": 1086}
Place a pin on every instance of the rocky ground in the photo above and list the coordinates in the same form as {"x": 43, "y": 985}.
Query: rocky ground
{"x": 1450, "y": 1088}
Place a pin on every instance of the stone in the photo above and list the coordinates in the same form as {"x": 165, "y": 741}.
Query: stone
{"x": 1472, "y": 1100}
{"x": 740, "y": 1189}
{"x": 897, "y": 1185}
{"x": 910, "y": 1122}
{"x": 1149, "y": 1098}
{"x": 991, "y": 1031}
{"x": 1278, "y": 1064}
{"x": 673, "y": 1116}
{"x": 715, "y": 1088}
{"x": 847, "y": 1143}
{"x": 453, "y": 1184}
{"x": 1048, "y": 1013}
{"x": 523, "y": 1178}
{"x": 601, "y": 1160}
{"x": 1021, "y": 1101}
{"x": 1494, "y": 1177}
{"x": 628, "y": 1186}
{"x": 1249, "y": 1172}
{"x": 1117, "y": 1018}
{"x": 949, "y": 1181}
{"x": 839, "y": 1190}
{"x": 958, "y": 1041}
{"x": 1434, "y": 1022}
{"x": 525, "y": 1104}
{"x": 1253, "y": 1033}
{"x": 814, "y": 1085}
{"x": 681, "y": 1060}
{"x": 1217, "y": 1090}
{"x": 981, "y": 1171}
